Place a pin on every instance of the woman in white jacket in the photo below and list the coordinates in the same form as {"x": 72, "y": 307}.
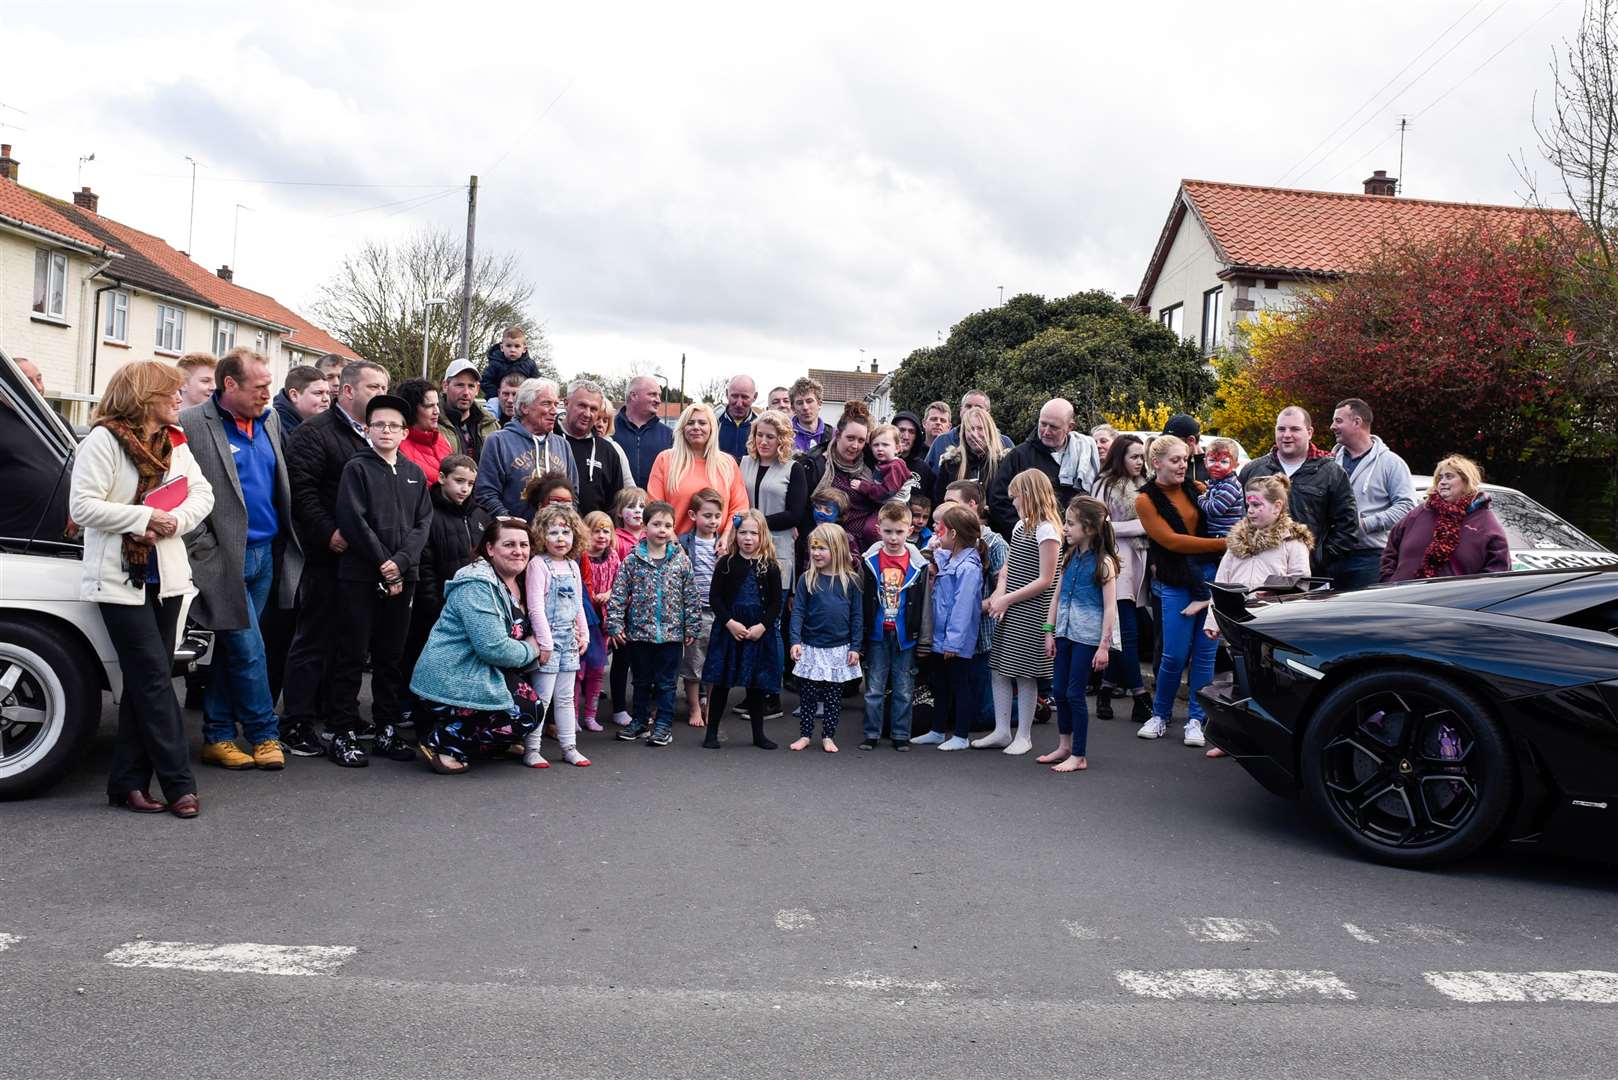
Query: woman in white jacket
{"x": 137, "y": 572}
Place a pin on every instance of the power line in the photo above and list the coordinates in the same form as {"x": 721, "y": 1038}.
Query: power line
{"x": 442, "y": 191}
{"x": 520, "y": 139}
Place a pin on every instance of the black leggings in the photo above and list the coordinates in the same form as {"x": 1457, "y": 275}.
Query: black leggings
{"x": 151, "y": 731}
{"x": 825, "y": 698}
{"x": 618, "y": 680}
{"x": 753, "y": 702}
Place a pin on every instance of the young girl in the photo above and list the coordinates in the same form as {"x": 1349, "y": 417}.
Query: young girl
{"x": 1083, "y": 618}
{"x": 889, "y": 481}
{"x": 548, "y": 489}
{"x": 628, "y": 514}
{"x": 1021, "y": 600}
{"x": 827, "y": 611}
{"x": 600, "y": 567}
{"x": 957, "y": 609}
{"x": 556, "y": 602}
{"x": 1267, "y": 542}
{"x": 744, "y": 650}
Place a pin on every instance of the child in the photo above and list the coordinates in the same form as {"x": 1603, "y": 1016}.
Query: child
{"x": 1222, "y": 507}
{"x": 556, "y": 601}
{"x": 602, "y": 563}
{"x": 629, "y": 515}
{"x": 1083, "y": 616}
{"x": 507, "y": 356}
{"x": 957, "y": 610}
{"x": 548, "y": 489}
{"x": 895, "y": 593}
{"x": 743, "y": 649}
{"x": 458, "y": 522}
{"x": 1021, "y": 601}
{"x": 385, "y": 513}
{"x": 921, "y": 516}
{"x": 652, "y": 615}
{"x": 701, "y": 545}
{"x": 826, "y": 614}
{"x": 889, "y": 482}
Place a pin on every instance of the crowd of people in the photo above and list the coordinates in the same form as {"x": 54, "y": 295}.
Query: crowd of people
{"x": 502, "y": 553}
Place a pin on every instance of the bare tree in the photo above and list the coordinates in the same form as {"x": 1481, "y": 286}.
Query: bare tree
{"x": 712, "y": 391}
{"x": 375, "y": 303}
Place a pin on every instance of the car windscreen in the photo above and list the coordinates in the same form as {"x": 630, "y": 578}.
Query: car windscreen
{"x": 1530, "y": 527}
{"x": 36, "y": 475}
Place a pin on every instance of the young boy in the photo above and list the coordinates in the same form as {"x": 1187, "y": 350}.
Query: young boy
{"x": 458, "y": 524}
{"x": 828, "y": 504}
{"x": 895, "y": 595}
{"x": 921, "y": 518}
{"x": 384, "y": 511}
{"x": 653, "y": 614}
{"x": 701, "y": 546}
{"x": 508, "y": 355}
{"x": 1222, "y": 506}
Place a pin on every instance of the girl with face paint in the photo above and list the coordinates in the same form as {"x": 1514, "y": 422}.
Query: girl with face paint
{"x": 555, "y": 598}
{"x": 629, "y": 515}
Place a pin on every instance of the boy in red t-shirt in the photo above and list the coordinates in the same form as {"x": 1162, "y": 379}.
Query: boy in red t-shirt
{"x": 895, "y": 595}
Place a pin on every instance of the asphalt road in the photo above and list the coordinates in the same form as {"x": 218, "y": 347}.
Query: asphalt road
{"x": 682, "y": 912}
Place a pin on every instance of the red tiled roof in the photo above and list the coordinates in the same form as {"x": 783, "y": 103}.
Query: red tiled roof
{"x": 1292, "y": 231}
{"x": 845, "y": 385}
{"x": 24, "y": 207}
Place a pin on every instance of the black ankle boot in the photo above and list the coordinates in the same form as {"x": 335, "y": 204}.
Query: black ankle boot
{"x": 1104, "y": 703}
{"x": 1142, "y": 711}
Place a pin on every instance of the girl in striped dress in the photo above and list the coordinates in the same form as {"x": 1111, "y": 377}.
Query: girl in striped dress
{"x": 1021, "y": 602}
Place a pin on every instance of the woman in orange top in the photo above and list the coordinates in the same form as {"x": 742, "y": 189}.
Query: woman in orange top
{"x": 693, "y": 463}
{"x": 1167, "y": 508}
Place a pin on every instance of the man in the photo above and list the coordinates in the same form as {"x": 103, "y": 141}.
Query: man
{"x": 462, "y": 420}
{"x": 242, "y": 551}
{"x": 527, "y": 447}
{"x": 316, "y": 454}
{"x": 305, "y": 394}
{"x": 1383, "y": 493}
{"x": 781, "y": 400}
{"x": 809, "y": 431}
{"x": 503, "y": 407}
{"x": 31, "y": 372}
{"x": 935, "y": 421}
{"x": 199, "y": 378}
{"x": 950, "y": 438}
{"x": 1067, "y": 457}
{"x": 639, "y": 427}
{"x": 1321, "y": 497}
{"x": 600, "y": 469}
{"x": 331, "y": 367}
{"x": 736, "y": 422}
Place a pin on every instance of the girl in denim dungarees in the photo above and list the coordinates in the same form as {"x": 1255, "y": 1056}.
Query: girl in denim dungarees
{"x": 556, "y": 599}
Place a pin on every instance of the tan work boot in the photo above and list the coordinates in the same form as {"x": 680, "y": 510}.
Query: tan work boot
{"x": 226, "y": 755}
{"x": 268, "y": 755}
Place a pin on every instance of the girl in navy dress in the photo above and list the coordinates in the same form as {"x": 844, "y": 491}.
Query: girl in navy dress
{"x": 744, "y": 650}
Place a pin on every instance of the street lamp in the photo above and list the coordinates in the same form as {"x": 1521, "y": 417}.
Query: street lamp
{"x": 426, "y": 320}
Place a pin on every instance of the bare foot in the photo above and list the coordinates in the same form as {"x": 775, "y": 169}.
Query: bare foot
{"x": 828, "y": 746}
{"x": 1055, "y": 755}
{"x": 1192, "y": 609}
{"x": 697, "y": 721}
{"x": 799, "y": 744}
{"x": 1214, "y": 752}
{"x": 1072, "y": 764}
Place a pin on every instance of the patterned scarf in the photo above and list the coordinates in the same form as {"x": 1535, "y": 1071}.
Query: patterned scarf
{"x": 1447, "y": 518}
{"x": 151, "y": 457}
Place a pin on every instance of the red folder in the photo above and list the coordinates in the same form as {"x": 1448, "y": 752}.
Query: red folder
{"x": 168, "y": 495}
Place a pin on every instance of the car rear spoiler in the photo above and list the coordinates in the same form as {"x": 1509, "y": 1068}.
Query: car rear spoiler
{"x": 1231, "y": 600}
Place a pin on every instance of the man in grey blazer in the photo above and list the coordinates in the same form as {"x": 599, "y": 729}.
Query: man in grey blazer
{"x": 245, "y": 548}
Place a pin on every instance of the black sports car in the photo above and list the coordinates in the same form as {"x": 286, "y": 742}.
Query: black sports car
{"x": 1426, "y": 719}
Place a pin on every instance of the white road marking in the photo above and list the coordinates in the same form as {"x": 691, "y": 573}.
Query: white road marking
{"x": 245, "y": 957}
{"x": 793, "y": 919}
{"x": 1359, "y": 935}
{"x": 1480, "y": 987}
{"x": 1235, "y": 984}
{"x": 887, "y": 984}
{"x": 1441, "y": 935}
{"x": 8, "y": 940}
{"x": 1083, "y": 933}
{"x": 1217, "y": 929}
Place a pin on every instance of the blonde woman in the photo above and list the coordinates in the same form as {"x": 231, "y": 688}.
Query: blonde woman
{"x": 695, "y": 462}
{"x": 776, "y": 484}
{"x": 827, "y": 613}
{"x": 133, "y": 465}
{"x": 1453, "y": 532}
{"x": 1021, "y": 602}
{"x": 975, "y": 457}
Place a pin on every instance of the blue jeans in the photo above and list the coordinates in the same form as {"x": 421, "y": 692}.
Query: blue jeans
{"x": 1183, "y": 641}
{"x": 1124, "y": 671}
{"x": 888, "y": 667}
{"x": 653, "y": 669}
{"x": 1357, "y": 569}
{"x": 984, "y": 685}
{"x": 239, "y": 691}
{"x": 1070, "y": 679}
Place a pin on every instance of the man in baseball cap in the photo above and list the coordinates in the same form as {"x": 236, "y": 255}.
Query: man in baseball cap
{"x": 461, "y": 417}
{"x": 1184, "y": 426}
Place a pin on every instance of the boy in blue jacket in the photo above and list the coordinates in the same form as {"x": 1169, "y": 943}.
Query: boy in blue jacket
{"x": 895, "y": 594}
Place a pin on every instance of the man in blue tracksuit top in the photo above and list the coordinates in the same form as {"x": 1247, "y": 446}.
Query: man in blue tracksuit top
{"x": 639, "y": 427}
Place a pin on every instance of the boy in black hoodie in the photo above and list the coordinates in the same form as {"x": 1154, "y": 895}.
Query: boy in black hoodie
{"x": 509, "y": 354}
{"x": 384, "y": 512}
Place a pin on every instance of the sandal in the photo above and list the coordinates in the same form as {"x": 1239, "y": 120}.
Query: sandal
{"x": 443, "y": 764}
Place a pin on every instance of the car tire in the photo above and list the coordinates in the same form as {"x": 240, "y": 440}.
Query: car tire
{"x": 40, "y": 674}
{"x": 1412, "y": 769}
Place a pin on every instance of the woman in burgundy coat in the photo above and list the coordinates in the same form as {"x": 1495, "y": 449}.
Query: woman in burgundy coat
{"x": 1453, "y": 532}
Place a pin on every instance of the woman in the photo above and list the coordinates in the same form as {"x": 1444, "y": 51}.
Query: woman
{"x": 776, "y": 484}
{"x": 976, "y": 456}
{"x": 469, "y": 676}
{"x": 424, "y": 443}
{"x": 1453, "y": 532}
{"x": 133, "y": 463}
{"x": 913, "y": 451}
{"x": 1123, "y": 474}
{"x": 695, "y": 462}
{"x": 842, "y": 465}
{"x": 606, "y": 424}
{"x": 1168, "y": 511}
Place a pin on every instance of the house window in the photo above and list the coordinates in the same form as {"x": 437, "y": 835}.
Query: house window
{"x": 117, "y": 327}
{"x": 1212, "y": 329}
{"x": 260, "y": 341}
{"x": 1174, "y": 319}
{"x": 170, "y": 328}
{"x": 50, "y": 284}
{"x": 224, "y": 336}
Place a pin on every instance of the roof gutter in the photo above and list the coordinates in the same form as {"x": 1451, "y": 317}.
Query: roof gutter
{"x": 95, "y": 316}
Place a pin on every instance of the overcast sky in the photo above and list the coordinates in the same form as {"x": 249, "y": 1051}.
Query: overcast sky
{"x": 762, "y": 191}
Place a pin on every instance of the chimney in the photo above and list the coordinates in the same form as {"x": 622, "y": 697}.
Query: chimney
{"x": 8, "y": 164}
{"x": 86, "y": 199}
{"x": 226, "y": 273}
{"x": 1380, "y": 183}
{"x": 873, "y": 365}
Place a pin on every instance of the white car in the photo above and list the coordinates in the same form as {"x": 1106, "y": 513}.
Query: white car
{"x": 55, "y": 657}
{"x": 1540, "y": 540}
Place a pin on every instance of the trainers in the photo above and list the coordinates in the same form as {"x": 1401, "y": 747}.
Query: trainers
{"x": 660, "y": 738}
{"x": 932, "y": 738}
{"x": 867, "y": 744}
{"x": 1193, "y": 733}
{"x": 388, "y": 744}
{"x": 629, "y": 734}
{"x": 772, "y": 706}
{"x": 901, "y": 745}
{"x": 227, "y": 755}
{"x": 346, "y": 751}
{"x": 268, "y": 755}
{"x": 300, "y": 740}
{"x": 1153, "y": 728}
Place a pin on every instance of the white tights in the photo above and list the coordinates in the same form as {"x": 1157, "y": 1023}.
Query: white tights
{"x": 1027, "y": 695}
{"x": 555, "y": 690}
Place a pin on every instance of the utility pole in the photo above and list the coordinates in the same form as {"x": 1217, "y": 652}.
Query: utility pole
{"x": 1002, "y": 289}
{"x": 466, "y": 280}
{"x": 1399, "y": 184}
{"x": 682, "y": 380}
{"x": 191, "y": 221}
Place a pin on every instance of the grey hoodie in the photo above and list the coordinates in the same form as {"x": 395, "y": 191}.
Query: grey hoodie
{"x": 1383, "y": 492}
